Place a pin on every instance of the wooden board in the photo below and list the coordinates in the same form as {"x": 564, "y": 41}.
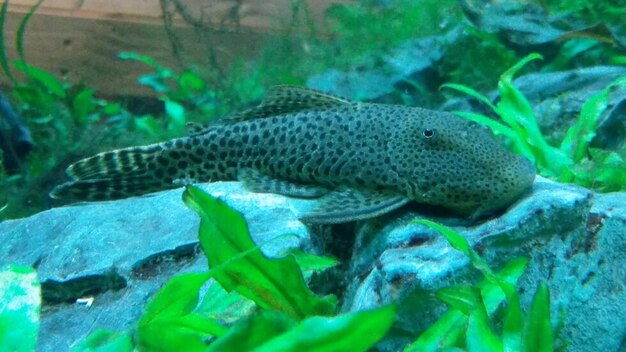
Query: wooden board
{"x": 81, "y": 42}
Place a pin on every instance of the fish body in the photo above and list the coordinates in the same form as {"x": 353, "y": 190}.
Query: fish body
{"x": 358, "y": 160}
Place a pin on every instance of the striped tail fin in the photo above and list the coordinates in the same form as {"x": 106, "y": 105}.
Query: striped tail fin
{"x": 118, "y": 174}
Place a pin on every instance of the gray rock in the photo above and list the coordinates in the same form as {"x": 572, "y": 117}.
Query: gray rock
{"x": 378, "y": 76}
{"x": 576, "y": 241}
{"x": 122, "y": 252}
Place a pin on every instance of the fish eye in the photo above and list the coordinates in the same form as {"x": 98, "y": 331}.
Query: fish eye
{"x": 428, "y": 133}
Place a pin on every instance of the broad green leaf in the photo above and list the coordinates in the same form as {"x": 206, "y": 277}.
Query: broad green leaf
{"x": 190, "y": 82}
{"x": 253, "y": 331}
{"x": 147, "y": 124}
{"x": 538, "y": 327}
{"x": 159, "y": 337}
{"x": 192, "y": 323}
{"x": 463, "y": 298}
{"x": 492, "y": 294}
{"x": 46, "y": 79}
{"x": 83, "y": 105}
{"x": 224, "y": 307}
{"x": 106, "y": 341}
{"x": 311, "y": 262}
{"x": 238, "y": 264}
{"x": 177, "y": 298}
{"x": 168, "y": 322}
{"x": 111, "y": 108}
{"x": 513, "y": 324}
{"x": 480, "y": 337}
{"x": 353, "y": 332}
{"x": 444, "y": 333}
{"x": 20, "y": 301}
{"x": 471, "y": 92}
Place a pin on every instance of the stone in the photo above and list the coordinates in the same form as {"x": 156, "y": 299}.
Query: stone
{"x": 120, "y": 253}
{"x": 371, "y": 79}
{"x": 575, "y": 239}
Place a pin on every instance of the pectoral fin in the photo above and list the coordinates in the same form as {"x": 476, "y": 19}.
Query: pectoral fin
{"x": 256, "y": 181}
{"x": 347, "y": 204}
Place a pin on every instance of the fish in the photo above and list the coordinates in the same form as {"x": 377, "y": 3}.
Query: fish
{"x": 355, "y": 160}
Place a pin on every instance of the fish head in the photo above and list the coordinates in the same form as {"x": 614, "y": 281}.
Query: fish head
{"x": 457, "y": 164}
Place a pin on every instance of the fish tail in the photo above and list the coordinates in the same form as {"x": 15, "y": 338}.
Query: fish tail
{"x": 119, "y": 174}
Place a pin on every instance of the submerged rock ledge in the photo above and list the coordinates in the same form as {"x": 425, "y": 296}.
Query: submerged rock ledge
{"x": 122, "y": 252}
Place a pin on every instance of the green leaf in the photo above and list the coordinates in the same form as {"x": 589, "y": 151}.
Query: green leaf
{"x": 538, "y": 335}
{"x": 513, "y": 324}
{"x": 238, "y": 264}
{"x": 508, "y": 75}
{"x": 253, "y": 331}
{"x": 19, "y": 40}
{"x": 480, "y": 337}
{"x": 46, "y": 79}
{"x": 111, "y": 108}
{"x": 578, "y": 137}
{"x": 458, "y": 242}
{"x": 190, "y": 82}
{"x": 492, "y": 294}
{"x": 4, "y": 59}
{"x": 444, "y": 333}
{"x": 168, "y": 321}
{"x": 192, "y": 323}
{"x": 311, "y": 262}
{"x": 20, "y": 301}
{"x": 353, "y": 332}
{"x": 495, "y": 126}
{"x": 159, "y": 337}
{"x": 177, "y": 298}
{"x": 224, "y": 307}
{"x": 176, "y": 114}
{"x": 83, "y": 105}
{"x": 137, "y": 57}
{"x": 154, "y": 81}
{"x": 471, "y": 92}
{"x": 106, "y": 341}
{"x": 147, "y": 124}
{"x": 463, "y": 298}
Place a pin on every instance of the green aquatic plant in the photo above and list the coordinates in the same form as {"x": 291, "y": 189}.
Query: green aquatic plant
{"x": 20, "y": 302}
{"x": 256, "y": 303}
{"x": 64, "y": 119}
{"x": 474, "y": 310}
{"x": 574, "y": 160}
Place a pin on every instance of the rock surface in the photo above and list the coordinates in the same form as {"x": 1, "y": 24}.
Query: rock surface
{"x": 122, "y": 252}
{"x": 575, "y": 239}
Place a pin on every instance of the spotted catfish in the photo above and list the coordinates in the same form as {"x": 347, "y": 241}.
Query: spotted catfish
{"x": 357, "y": 160}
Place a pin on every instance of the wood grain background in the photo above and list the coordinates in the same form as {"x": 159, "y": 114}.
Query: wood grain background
{"x": 80, "y": 42}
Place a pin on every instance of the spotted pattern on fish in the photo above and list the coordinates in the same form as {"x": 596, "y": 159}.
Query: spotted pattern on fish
{"x": 357, "y": 160}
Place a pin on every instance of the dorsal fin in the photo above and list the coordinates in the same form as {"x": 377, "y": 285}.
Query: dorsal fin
{"x": 286, "y": 99}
